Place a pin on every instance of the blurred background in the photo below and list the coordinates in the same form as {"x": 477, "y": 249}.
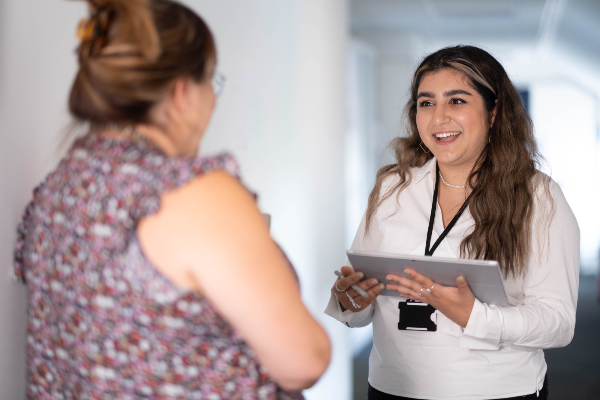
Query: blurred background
{"x": 314, "y": 92}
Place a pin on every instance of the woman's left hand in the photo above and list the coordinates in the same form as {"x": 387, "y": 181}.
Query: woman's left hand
{"x": 456, "y": 303}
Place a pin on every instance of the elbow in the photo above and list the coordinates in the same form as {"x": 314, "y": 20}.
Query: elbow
{"x": 562, "y": 342}
{"x": 569, "y": 330}
{"x": 306, "y": 373}
{"x": 568, "y": 337}
{"x": 565, "y": 335}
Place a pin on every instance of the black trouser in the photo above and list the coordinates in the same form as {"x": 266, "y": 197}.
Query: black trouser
{"x": 375, "y": 394}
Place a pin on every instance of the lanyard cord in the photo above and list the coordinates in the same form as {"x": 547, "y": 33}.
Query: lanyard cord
{"x": 428, "y": 251}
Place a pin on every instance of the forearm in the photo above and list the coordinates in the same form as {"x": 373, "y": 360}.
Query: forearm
{"x": 300, "y": 365}
{"x": 545, "y": 300}
{"x": 539, "y": 324}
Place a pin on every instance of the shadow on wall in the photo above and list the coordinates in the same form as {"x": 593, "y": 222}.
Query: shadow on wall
{"x": 573, "y": 371}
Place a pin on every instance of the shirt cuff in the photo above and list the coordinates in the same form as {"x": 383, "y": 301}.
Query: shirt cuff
{"x": 450, "y": 328}
{"x": 512, "y": 326}
{"x": 334, "y": 310}
{"x": 484, "y": 329}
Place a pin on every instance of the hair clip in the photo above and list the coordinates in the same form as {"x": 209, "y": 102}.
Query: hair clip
{"x": 86, "y": 29}
{"x": 93, "y": 31}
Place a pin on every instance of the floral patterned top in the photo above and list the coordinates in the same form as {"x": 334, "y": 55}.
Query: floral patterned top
{"x": 103, "y": 323}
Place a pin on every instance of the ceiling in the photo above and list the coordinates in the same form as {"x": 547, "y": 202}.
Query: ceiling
{"x": 574, "y": 24}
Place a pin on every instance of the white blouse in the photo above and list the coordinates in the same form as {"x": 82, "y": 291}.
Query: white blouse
{"x": 499, "y": 354}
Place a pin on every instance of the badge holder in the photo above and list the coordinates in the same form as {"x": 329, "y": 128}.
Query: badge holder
{"x": 417, "y": 316}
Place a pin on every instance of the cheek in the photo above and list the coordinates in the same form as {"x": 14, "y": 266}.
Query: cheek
{"x": 206, "y": 106}
{"x": 422, "y": 121}
{"x": 475, "y": 123}
{"x": 208, "y": 110}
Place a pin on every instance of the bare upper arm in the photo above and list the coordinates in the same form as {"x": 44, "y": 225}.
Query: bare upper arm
{"x": 210, "y": 236}
{"x": 210, "y": 222}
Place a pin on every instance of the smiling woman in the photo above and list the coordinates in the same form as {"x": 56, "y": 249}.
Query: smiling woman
{"x": 494, "y": 146}
{"x": 467, "y": 128}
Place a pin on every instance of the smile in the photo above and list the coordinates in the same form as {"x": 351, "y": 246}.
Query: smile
{"x": 446, "y": 138}
{"x": 446, "y": 134}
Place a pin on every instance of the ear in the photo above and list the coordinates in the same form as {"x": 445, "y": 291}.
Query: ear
{"x": 493, "y": 113}
{"x": 179, "y": 95}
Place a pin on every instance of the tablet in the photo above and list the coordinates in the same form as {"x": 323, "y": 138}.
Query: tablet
{"x": 483, "y": 276}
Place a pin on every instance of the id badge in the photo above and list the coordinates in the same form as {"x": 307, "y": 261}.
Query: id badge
{"x": 417, "y": 316}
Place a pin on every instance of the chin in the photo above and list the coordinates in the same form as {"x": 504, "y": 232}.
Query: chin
{"x": 446, "y": 158}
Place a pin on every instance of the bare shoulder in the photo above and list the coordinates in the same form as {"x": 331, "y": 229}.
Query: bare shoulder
{"x": 208, "y": 216}
{"x": 217, "y": 187}
{"x": 207, "y": 205}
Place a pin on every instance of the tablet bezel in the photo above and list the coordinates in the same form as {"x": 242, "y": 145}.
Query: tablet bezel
{"x": 483, "y": 276}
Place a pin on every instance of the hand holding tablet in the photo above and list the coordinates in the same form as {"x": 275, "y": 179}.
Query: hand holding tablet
{"x": 483, "y": 276}
{"x": 456, "y": 303}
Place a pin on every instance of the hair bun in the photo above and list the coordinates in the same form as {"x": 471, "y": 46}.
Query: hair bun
{"x": 131, "y": 53}
{"x": 119, "y": 22}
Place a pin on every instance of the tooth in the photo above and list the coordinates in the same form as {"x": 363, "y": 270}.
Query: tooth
{"x": 444, "y": 135}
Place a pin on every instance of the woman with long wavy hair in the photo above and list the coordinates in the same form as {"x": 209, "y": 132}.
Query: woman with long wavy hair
{"x": 470, "y": 142}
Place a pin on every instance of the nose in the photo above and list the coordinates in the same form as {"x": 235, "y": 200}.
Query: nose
{"x": 440, "y": 116}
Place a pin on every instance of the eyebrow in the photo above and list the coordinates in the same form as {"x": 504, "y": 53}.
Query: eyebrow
{"x": 446, "y": 94}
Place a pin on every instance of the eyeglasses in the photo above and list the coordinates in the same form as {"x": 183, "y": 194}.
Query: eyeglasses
{"x": 218, "y": 82}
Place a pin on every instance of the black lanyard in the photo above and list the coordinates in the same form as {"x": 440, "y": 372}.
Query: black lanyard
{"x": 428, "y": 251}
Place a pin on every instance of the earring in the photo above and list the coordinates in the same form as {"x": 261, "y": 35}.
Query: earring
{"x": 423, "y": 148}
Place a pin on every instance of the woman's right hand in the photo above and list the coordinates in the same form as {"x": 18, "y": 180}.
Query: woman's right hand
{"x": 344, "y": 292}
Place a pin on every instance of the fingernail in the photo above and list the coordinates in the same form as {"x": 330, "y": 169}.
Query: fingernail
{"x": 360, "y": 275}
{"x": 381, "y": 287}
{"x": 461, "y": 280}
{"x": 388, "y": 287}
{"x": 373, "y": 281}
{"x": 406, "y": 271}
{"x": 388, "y": 278}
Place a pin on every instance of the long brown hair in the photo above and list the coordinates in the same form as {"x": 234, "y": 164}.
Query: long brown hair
{"x": 506, "y": 172}
{"x": 131, "y": 54}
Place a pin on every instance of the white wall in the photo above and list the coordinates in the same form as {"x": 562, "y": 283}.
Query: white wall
{"x": 37, "y": 63}
{"x": 363, "y": 131}
{"x": 396, "y": 76}
{"x": 566, "y": 122}
{"x": 281, "y": 114}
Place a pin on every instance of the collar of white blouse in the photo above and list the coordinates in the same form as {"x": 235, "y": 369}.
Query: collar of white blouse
{"x": 427, "y": 168}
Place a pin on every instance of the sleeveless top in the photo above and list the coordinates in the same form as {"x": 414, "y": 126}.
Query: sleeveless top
{"x": 103, "y": 323}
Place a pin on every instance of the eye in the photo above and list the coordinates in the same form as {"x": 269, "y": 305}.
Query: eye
{"x": 425, "y": 103}
{"x": 456, "y": 100}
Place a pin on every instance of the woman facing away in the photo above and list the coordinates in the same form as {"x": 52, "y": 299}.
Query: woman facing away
{"x": 150, "y": 272}
{"x": 466, "y": 185}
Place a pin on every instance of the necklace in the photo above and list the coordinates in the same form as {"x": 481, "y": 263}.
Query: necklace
{"x": 454, "y": 186}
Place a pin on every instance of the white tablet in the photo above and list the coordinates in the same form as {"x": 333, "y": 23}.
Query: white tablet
{"x": 483, "y": 276}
